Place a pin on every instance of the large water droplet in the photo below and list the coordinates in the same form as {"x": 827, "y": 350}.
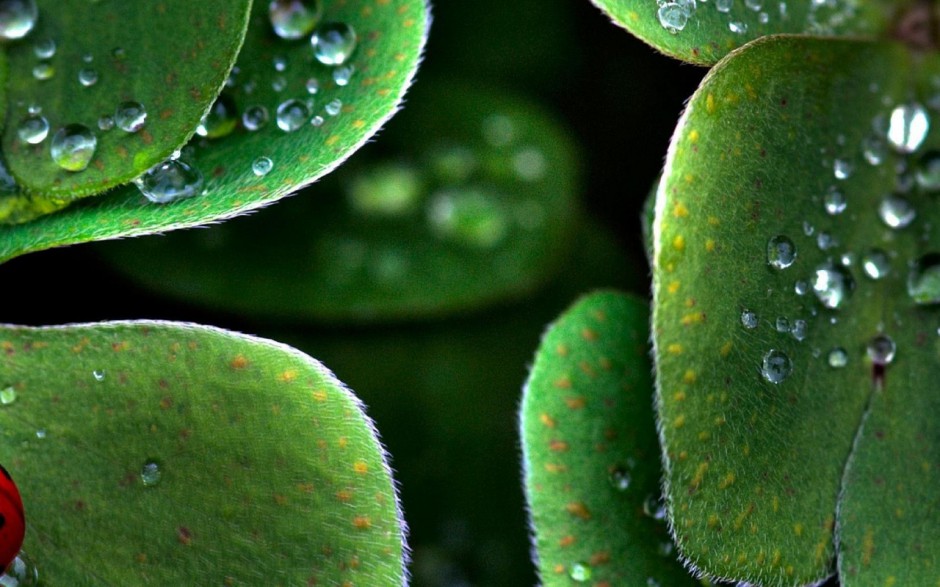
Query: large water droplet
{"x": 876, "y": 263}
{"x": 262, "y": 166}
{"x": 908, "y": 127}
{"x": 130, "y": 116}
{"x": 170, "y": 181}
{"x": 73, "y": 146}
{"x": 7, "y": 395}
{"x": 150, "y": 473}
{"x": 837, "y": 358}
{"x": 881, "y": 350}
{"x": 896, "y": 212}
{"x": 220, "y": 120}
{"x": 833, "y": 285}
{"x": 580, "y": 572}
{"x": 749, "y": 319}
{"x": 673, "y": 16}
{"x": 781, "y": 252}
{"x": 33, "y": 130}
{"x": 22, "y": 572}
{"x": 776, "y": 366}
{"x": 255, "y": 117}
{"x": 333, "y": 43}
{"x": 923, "y": 279}
{"x": 293, "y": 19}
{"x": 291, "y": 115}
{"x": 17, "y": 18}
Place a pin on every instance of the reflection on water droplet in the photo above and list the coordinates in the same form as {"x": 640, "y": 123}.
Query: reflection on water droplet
{"x": 17, "y": 18}
{"x": 749, "y": 319}
{"x": 87, "y": 76}
{"x": 834, "y": 202}
{"x": 876, "y": 263}
{"x": 170, "y": 181}
{"x": 781, "y": 252}
{"x": 833, "y": 285}
{"x": 842, "y": 169}
{"x": 333, "y": 107}
{"x": 673, "y": 16}
{"x": 908, "y": 127}
{"x": 255, "y": 117}
{"x": 923, "y": 280}
{"x": 22, "y": 572}
{"x": 580, "y": 572}
{"x": 896, "y": 212}
{"x": 838, "y": 358}
{"x": 33, "y": 130}
{"x": 293, "y": 19}
{"x": 43, "y": 71}
{"x": 291, "y": 115}
{"x": 44, "y": 49}
{"x": 655, "y": 507}
{"x": 130, "y": 116}
{"x": 776, "y": 366}
{"x": 262, "y": 166}
{"x": 150, "y": 473}
{"x": 105, "y": 123}
{"x": 723, "y": 6}
{"x": 881, "y": 350}
{"x": 7, "y": 395}
{"x": 799, "y": 330}
{"x": 333, "y": 43}
{"x": 220, "y": 120}
{"x": 342, "y": 75}
{"x": 737, "y": 27}
{"x": 41, "y": 433}
{"x": 874, "y": 150}
{"x": 73, "y": 146}
{"x": 98, "y": 374}
{"x": 801, "y": 287}
{"x": 620, "y": 478}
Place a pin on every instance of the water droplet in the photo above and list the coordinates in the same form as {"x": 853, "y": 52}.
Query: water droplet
{"x": 22, "y": 572}
{"x": 749, "y": 319}
{"x": 833, "y": 285}
{"x": 580, "y": 572}
{"x": 896, "y": 212}
{"x": 255, "y": 117}
{"x": 655, "y": 507}
{"x": 842, "y": 169}
{"x": 130, "y": 116}
{"x": 118, "y": 53}
{"x": 105, "y": 122}
{"x": 799, "y": 330}
{"x": 317, "y": 121}
{"x": 782, "y": 324}
{"x": 279, "y": 84}
{"x": 17, "y": 18}
{"x": 333, "y": 43}
{"x": 881, "y": 350}
{"x": 763, "y": 18}
{"x": 150, "y": 473}
{"x": 220, "y": 120}
{"x": 98, "y": 374}
{"x": 293, "y": 19}
{"x": 651, "y": 582}
{"x": 73, "y": 146}
{"x": 333, "y": 107}
{"x": 170, "y": 181}
{"x": 825, "y": 241}
{"x": 737, "y": 27}
{"x": 673, "y": 16}
{"x": 40, "y": 434}
{"x": 529, "y": 164}
{"x": 723, "y": 6}
{"x": 620, "y": 479}
{"x": 468, "y": 215}
{"x": 754, "y": 5}
{"x": 876, "y": 263}
{"x": 801, "y": 287}
{"x": 312, "y": 85}
{"x": 34, "y": 109}
{"x": 262, "y": 166}
{"x": 87, "y": 76}
{"x": 7, "y": 395}
{"x": 386, "y": 190}
{"x": 342, "y": 75}
{"x": 776, "y": 366}
{"x": 923, "y": 279}
{"x": 908, "y": 127}
{"x": 666, "y": 549}
{"x": 43, "y": 71}
{"x": 928, "y": 171}
{"x": 838, "y": 358}
{"x": 88, "y": 58}
{"x": 33, "y": 130}
{"x": 834, "y": 202}
{"x": 44, "y": 49}
{"x": 291, "y": 115}
{"x": 874, "y": 150}
{"x": 781, "y": 252}
{"x": 280, "y": 63}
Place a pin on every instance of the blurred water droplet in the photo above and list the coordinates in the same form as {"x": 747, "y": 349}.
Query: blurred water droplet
{"x": 130, "y": 116}
{"x": 776, "y": 366}
{"x": 651, "y": 582}
{"x": 834, "y": 202}
{"x": 17, "y": 18}
{"x": 801, "y": 287}
{"x": 7, "y": 395}
{"x": 923, "y": 279}
{"x": 453, "y": 163}
{"x": 655, "y": 507}
{"x": 333, "y": 43}
{"x": 468, "y": 215}
{"x": 291, "y": 115}
{"x": 22, "y": 572}
{"x": 833, "y": 285}
{"x": 170, "y": 181}
{"x": 876, "y": 263}
{"x": 262, "y": 166}
{"x": 43, "y": 71}
{"x": 837, "y": 358}
{"x": 580, "y": 572}
{"x": 44, "y": 49}
{"x": 908, "y": 127}
{"x": 749, "y": 319}
{"x": 881, "y": 350}
{"x": 499, "y": 130}
{"x": 317, "y": 121}
{"x": 737, "y": 27}
{"x": 73, "y": 147}
{"x": 874, "y": 150}
{"x": 842, "y": 169}
{"x": 279, "y": 84}
{"x": 255, "y": 117}
{"x": 41, "y": 433}
{"x": 782, "y": 324}
{"x": 620, "y": 479}
{"x": 896, "y": 212}
{"x": 150, "y": 473}
{"x": 342, "y": 75}
{"x": 293, "y": 19}
{"x": 33, "y": 130}
{"x": 781, "y": 252}
{"x": 799, "y": 330}
{"x": 312, "y": 85}
{"x": 87, "y": 76}
{"x": 826, "y": 241}
{"x": 105, "y": 122}
{"x": 220, "y": 120}
{"x": 529, "y": 164}
{"x": 98, "y": 374}
{"x": 928, "y": 171}
{"x": 723, "y": 6}
{"x": 385, "y": 190}
{"x": 333, "y": 107}
{"x": 666, "y": 549}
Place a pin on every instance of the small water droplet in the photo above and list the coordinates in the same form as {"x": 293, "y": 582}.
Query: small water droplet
{"x": 782, "y": 324}
{"x": 333, "y": 43}
{"x": 17, "y": 18}
{"x": 834, "y": 202}
{"x": 826, "y": 241}
{"x": 130, "y": 116}
{"x": 255, "y": 117}
{"x": 801, "y": 287}
{"x": 923, "y": 279}
{"x": 832, "y": 284}
{"x": 808, "y": 229}
{"x": 723, "y": 6}
{"x": 928, "y": 171}
{"x": 580, "y": 572}
{"x": 293, "y": 19}
{"x": 838, "y": 358}
{"x": 651, "y": 582}
{"x": 317, "y": 121}
{"x": 280, "y": 63}
{"x": 342, "y": 75}
{"x": 620, "y": 478}
{"x": 673, "y": 16}
{"x": 7, "y": 395}
{"x": 896, "y": 212}
{"x": 468, "y": 215}
{"x": 44, "y": 49}
{"x": 754, "y": 5}
{"x": 118, "y": 53}
{"x": 73, "y": 147}
{"x": 87, "y": 76}
{"x": 279, "y": 84}
{"x": 170, "y": 181}
{"x": 529, "y": 164}
{"x": 43, "y": 71}
{"x": 312, "y": 85}
{"x": 41, "y": 433}
{"x": 876, "y": 263}
{"x": 150, "y": 473}
{"x": 749, "y": 319}
{"x": 655, "y": 507}
{"x": 262, "y": 166}
{"x": 291, "y": 115}
{"x": 842, "y": 169}
{"x": 334, "y": 107}
{"x": 881, "y": 350}
{"x": 799, "y": 330}
{"x": 666, "y": 549}
{"x": 737, "y": 27}
{"x": 908, "y": 127}
{"x": 763, "y": 18}
{"x": 33, "y": 130}
{"x": 781, "y": 252}
{"x": 98, "y": 374}
{"x": 220, "y": 120}
{"x": 776, "y": 366}
{"x": 874, "y": 150}
{"x": 88, "y": 58}
{"x": 105, "y": 122}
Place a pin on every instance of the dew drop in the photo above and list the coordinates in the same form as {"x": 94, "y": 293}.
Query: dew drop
{"x": 876, "y": 263}
{"x": 723, "y": 6}
{"x": 293, "y": 19}
{"x": 98, "y": 374}
{"x": 291, "y": 115}
{"x": 312, "y": 85}
{"x": 220, "y": 120}
{"x": 130, "y": 116}
{"x": 342, "y": 75}
{"x": 737, "y": 27}
{"x": 928, "y": 171}
{"x": 279, "y": 84}
{"x": 33, "y": 130}
{"x": 333, "y": 43}
{"x": 754, "y": 5}
{"x": 923, "y": 280}
{"x": 776, "y": 366}
{"x": 655, "y": 507}
{"x": 40, "y": 434}
{"x": 529, "y": 164}
{"x": 106, "y": 122}
{"x": 837, "y": 358}
{"x": 334, "y": 107}
{"x": 73, "y": 147}
{"x": 150, "y": 473}
{"x": 17, "y": 18}
{"x": 44, "y": 49}
{"x": 255, "y": 117}
{"x": 87, "y": 76}
{"x": 833, "y": 285}
{"x": 43, "y": 71}
{"x": 262, "y": 166}
{"x": 896, "y": 212}
{"x": 673, "y": 16}
{"x": 842, "y": 169}
{"x": 317, "y": 121}
{"x": 799, "y": 330}
{"x": 7, "y": 396}
{"x": 782, "y": 324}
{"x": 580, "y": 572}
{"x": 781, "y": 252}
{"x": 468, "y": 215}
{"x": 881, "y": 350}
{"x": 834, "y": 202}
{"x": 874, "y": 151}
{"x": 620, "y": 479}
{"x": 749, "y": 319}
{"x": 801, "y": 287}
{"x": 908, "y": 127}
{"x": 170, "y": 181}
{"x": 666, "y": 549}
{"x": 22, "y": 572}
{"x": 280, "y": 63}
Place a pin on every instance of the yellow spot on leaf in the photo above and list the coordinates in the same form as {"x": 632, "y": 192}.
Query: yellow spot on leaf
{"x": 689, "y": 377}
{"x": 727, "y": 482}
{"x": 699, "y": 475}
{"x": 679, "y": 396}
{"x": 561, "y": 350}
{"x": 575, "y": 403}
{"x": 713, "y": 520}
{"x": 680, "y": 211}
{"x": 673, "y": 287}
{"x": 563, "y": 382}
{"x": 566, "y": 541}
{"x": 713, "y": 221}
{"x": 558, "y": 446}
{"x": 362, "y": 522}
{"x": 710, "y": 105}
{"x": 678, "y": 243}
{"x": 868, "y": 546}
{"x": 674, "y": 349}
{"x": 725, "y": 349}
{"x": 579, "y": 510}
{"x": 693, "y": 136}
{"x": 555, "y": 468}
{"x": 319, "y": 395}
{"x": 547, "y": 420}
{"x": 360, "y": 467}
{"x": 287, "y": 376}
{"x": 710, "y": 245}
{"x": 693, "y": 318}
{"x": 589, "y": 334}
{"x": 679, "y": 422}
{"x": 798, "y": 529}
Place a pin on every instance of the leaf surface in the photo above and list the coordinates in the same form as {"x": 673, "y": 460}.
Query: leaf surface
{"x": 160, "y": 453}
{"x": 763, "y": 362}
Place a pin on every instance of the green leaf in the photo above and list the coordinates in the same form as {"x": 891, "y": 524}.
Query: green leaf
{"x": 787, "y": 140}
{"x": 704, "y": 32}
{"x": 591, "y": 455}
{"x": 468, "y": 213}
{"x": 160, "y": 453}
{"x": 171, "y": 57}
{"x": 390, "y": 40}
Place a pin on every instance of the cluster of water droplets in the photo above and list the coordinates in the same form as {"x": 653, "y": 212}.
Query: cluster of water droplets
{"x": 822, "y": 17}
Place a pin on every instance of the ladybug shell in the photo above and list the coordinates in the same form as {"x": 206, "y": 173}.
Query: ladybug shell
{"x": 12, "y": 519}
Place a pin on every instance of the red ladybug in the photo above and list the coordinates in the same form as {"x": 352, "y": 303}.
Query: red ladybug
{"x": 12, "y": 520}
